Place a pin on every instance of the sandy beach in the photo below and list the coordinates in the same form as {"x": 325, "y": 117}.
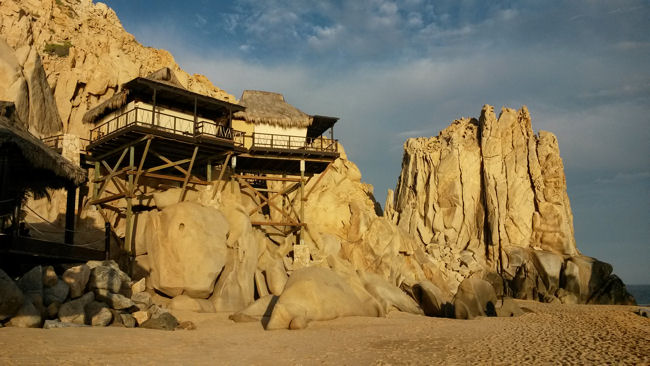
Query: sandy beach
{"x": 546, "y": 334}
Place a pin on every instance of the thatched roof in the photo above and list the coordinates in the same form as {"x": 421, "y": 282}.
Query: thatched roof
{"x": 164, "y": 75}
{"x": 58, "y": 171}
{"x": 270, "y": 108}
{"x": 107, "y": 106}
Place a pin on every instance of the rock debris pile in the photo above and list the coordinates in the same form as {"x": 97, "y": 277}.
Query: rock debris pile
{"x": 97, "y": 293}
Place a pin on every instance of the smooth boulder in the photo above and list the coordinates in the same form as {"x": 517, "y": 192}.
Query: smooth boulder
{"x": 315, "y": 293}
{"x": 11, "y": 298}
{"x": 475, "y": 297}
{"x": 186, "y": 245}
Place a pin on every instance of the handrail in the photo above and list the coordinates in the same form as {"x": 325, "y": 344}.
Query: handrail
{"x": 182, "y": 126}
{"x": 291, "y": 142}
{"x": 161, "y": 121}
{"x": 56, "y": 142}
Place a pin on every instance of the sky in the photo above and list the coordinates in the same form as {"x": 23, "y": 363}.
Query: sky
{"x": 393, "y": 70}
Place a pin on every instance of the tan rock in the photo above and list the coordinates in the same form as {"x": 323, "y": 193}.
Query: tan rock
{"x": 319, "y": 294}
{"x": 186, "y": 245}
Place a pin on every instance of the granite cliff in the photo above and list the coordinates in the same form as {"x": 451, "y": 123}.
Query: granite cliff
{"x": 488, "y": 198}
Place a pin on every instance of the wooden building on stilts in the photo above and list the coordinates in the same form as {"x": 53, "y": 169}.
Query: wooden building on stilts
{"x": 155, "y": 130}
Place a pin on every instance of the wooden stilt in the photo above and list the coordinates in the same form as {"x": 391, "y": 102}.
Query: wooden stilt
{"x": 188, "y": 175}
{"x": 128, "y": 235}
{"x": 69, "y": 214}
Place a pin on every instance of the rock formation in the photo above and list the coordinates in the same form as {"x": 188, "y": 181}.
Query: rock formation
{"x": 488, "y": 197}
{"x": 86, "y": 54}
{"x": 481, "y": 207}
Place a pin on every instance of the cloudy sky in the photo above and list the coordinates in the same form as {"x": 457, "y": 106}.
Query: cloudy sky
{"x": 393, "y": 70}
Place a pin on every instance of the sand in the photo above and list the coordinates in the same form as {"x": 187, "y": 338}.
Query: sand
{"x": 547, "y": 334}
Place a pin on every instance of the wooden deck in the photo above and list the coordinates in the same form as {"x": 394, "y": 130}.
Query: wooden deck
{"x": 177, "y": 138}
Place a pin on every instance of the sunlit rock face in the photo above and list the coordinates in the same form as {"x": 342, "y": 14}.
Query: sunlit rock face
{"x": 86, "y": 54}
{"x": 488, "y": 195}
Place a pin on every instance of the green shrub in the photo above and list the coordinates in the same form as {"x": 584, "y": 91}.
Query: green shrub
{"x": 61, "y": 50}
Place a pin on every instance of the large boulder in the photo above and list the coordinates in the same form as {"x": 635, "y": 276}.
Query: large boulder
{"x": 315, "y": 293}
{"x": 261, "y": 308}
{"x": 98, "y": 314}
{"x": 27, "y": 316}
{"x": 105, "y": 278}
{"x": 432, "y": 300}
{"x": 77, "y": 278}
{"x": 31, "y": 284}
{"x": 235, "y": 288}
{"x": 74, "y": 311}
{"x": 11, "y": 298}
{"x": 184, "y": 302}
{"x": 57, "y": 293}
{"x": 475, "y": 297}
{"x": 186, "y": 245}
{"x": 389, "y": 296}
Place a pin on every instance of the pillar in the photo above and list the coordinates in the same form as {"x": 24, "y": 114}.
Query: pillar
{"x": 128, "y": 235}
{"x": 69, "y": 214}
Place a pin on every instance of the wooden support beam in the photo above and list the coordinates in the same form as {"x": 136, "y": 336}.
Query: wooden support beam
{"x": 168, "y": 161}
{"x": 277, "y": 194}
{"x": 192, "y": 180}
{"x": 142, "y": 159}
{"x": 217, "y": 184}
{"x": 111, "y": 174}
{"x": 255, "y": 177}
{"x": 118, "y": 149}
{"x": 271, "y": 204}
{"x": 112, "y": 177}
{"x": 128, "y": 232}
{"x": 165, "y": 166}
{"x": 100, "y": 201}
{"x": 320, "y": 177}
{"x": 187, "y": 177}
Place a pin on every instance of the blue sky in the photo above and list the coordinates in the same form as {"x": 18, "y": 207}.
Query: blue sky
{"x": 393, "y": 70}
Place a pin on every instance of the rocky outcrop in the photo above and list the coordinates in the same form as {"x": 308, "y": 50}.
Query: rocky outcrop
{"x": 86, "y": 54}
{"x": 25, "y": 84}
{"x": 487, "y": 197}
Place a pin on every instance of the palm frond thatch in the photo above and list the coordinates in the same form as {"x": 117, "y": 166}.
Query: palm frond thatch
{"x": 270, "y": 108}
{"x": 18, "y": 142}
{"x": 165, "y": 75}
{"x": 115, "y": 102}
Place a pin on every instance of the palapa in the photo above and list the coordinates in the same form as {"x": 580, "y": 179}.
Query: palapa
{"x": 270, "y": 108}
{"x": 164, "y": 75}
{"x": 59, "y": 172}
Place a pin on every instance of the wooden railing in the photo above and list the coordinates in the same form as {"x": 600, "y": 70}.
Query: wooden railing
{"x": 56, "y": 142}
{"x": 186, "y": 127}
{"x": 163, "y": 122}
{"x": 289, "y": 142}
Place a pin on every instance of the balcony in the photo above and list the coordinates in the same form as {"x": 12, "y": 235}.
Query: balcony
{"x": 145, "y": 119}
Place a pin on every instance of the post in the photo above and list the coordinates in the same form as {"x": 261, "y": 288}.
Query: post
{"x": 208, "y": 174}
{"x": 233, "y": 163}
{"x": 69, "y": 214}
{"x": 153, "y": 108}
{"x": 128, "y": 235}
{"x": 302, "y": 197}
{"x": 107, "y": 240}
{"x": 95, "y": 186}
{"x": 195, "y": 117}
